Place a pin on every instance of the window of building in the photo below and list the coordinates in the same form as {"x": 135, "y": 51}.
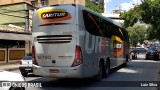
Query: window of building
{"x": 33, "y": 3}
{"x": 12, "y": 44}
{"x": 44, "y": 2}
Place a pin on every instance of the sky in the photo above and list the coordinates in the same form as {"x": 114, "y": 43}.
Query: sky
{"x": 124, "y": 4}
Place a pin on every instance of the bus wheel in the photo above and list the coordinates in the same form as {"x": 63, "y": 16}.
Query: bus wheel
{"x": 106, "y": 69}
{"x": 98, "y": 77}
{"x": 24, "y": 74}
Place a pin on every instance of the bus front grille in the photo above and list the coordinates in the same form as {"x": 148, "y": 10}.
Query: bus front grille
{"x": 54, "y": 39}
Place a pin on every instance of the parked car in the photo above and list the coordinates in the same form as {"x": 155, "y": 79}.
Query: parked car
{"x": 9, "y": 77}
{"x": 133, "y": 54}
{"x": 152, "y": 54}
{"x": 141, "y": 50}
{"x": 26, "y": 65}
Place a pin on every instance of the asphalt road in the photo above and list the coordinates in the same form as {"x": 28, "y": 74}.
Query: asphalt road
{"x": 132, "y": 77}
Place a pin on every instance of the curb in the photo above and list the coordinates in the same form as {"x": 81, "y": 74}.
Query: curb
{"x": 11, "y": 69}
{"x": 9, "y": 66}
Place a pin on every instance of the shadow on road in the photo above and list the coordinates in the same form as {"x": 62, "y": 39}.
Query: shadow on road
{"x": 138, "y": 70}
{"x": 71, "y": 83}
{"x": 32, "y": 75}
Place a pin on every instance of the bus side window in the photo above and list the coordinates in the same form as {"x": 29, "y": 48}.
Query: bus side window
{"x": 91, "y": 23}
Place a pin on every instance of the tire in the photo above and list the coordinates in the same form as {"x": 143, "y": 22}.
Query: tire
{"x": 106, "y": 69}
{"x": 157, "y": 58}
{"x": 133, "y": 57}
{"x": 136, "y": 57}
{"x": 24, "y": 74}
{"x": 98, "y": 77}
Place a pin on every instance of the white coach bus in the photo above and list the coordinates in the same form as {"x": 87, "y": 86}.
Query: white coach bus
{"x": 72, "y": 41}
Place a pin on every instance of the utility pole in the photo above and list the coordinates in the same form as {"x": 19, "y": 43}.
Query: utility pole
{"x": 105, "y": 6}
{"x": 103, "y": 3}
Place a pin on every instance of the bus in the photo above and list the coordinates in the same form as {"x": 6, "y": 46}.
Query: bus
{"x": 72, "y": 41}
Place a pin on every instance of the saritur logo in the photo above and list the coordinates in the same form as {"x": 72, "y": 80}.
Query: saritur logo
{"x": 50, "y": 15}
{"x": 117, "y": 45}
{"x": 53, "y": 15}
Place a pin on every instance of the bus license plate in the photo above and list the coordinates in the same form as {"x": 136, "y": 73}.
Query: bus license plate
{"x": 54, "y": 71}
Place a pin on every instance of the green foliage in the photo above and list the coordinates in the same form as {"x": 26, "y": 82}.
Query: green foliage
{"x": 137, "y": 33}
{"x": 131, "y": 17}
{"x": 97, "y": 8}
{"x": 151, "y": 33}
{"x": 147, "y": 12}
{"x": 151, "y": 15}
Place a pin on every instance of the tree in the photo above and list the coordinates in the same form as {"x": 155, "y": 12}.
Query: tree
{"x": 95, "y": 7}
{"x": 131, "y": 17}
{"x": 151, "y": 33}
{"x": 147, "y": 12}
{"x": 151, "y": 15}
{"x": 137, "y": 33}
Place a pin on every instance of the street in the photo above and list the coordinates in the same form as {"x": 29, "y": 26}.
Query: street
{"x": 136, "y": 71}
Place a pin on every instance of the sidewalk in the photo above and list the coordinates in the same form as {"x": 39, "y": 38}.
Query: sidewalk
{"x": 9, "y": 66}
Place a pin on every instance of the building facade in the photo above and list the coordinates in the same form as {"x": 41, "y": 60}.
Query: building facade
{"x": 16, "y": 25}
{"x": 115, "y": 15}
{"x": 41, "y": 3}
{"x": 19, "y": 14}
{"x": 15, "y": 43}
{"x": 5, "y": 2}
{"x": 15, "y": 30}
{"x": 116, "y": 10}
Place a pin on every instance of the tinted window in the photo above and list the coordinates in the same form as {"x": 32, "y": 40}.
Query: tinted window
{"x": 124, "y": 35}
{"x": 27, "y": 58}
{"x": 96, "y": 25}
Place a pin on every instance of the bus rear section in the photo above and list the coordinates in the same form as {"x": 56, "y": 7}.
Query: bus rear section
{"x": 55, "y": 50}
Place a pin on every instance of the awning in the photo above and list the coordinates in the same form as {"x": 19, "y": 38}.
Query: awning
{"x": 15, "y": 36}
